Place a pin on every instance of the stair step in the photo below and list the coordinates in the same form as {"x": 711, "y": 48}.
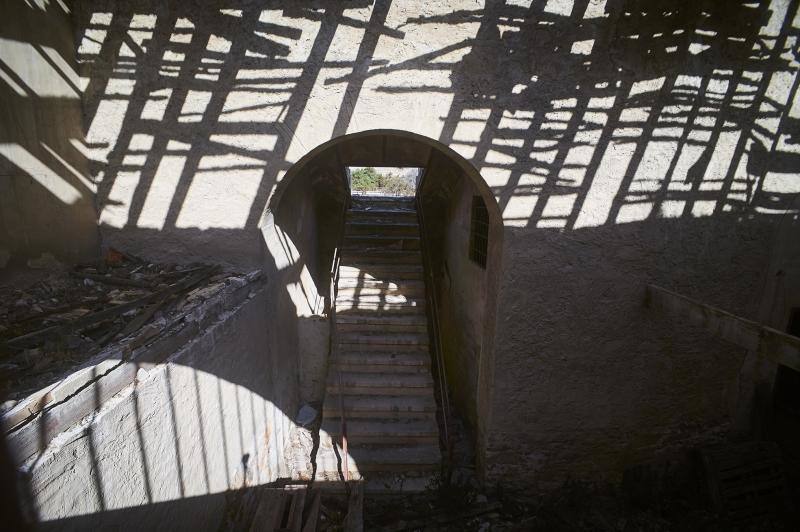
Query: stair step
{"x": 348, "y": 239}
{"x": 381, "y": 272}
{"x": 372, "y": 459}
{"x": 381, "y": 310}
{"x": 351, "y": 282}
{"x": 382, "y": 362}
{"x": 408, "y": 323}
{"x": 388, "y": 216}
{"x": 413, "y": 307}
{"x": 378, "y": 227}
{"x": 375, "y": 262}
{"x": 381, "y": 348}
{"x": 378, "y": 302}
{"x": 381, "y": 338}
{"x": 369, "y": 223}
{"x": 366, "y": 267}
{"x": 386, "y": 432}
{"x": 382, "y": 483}
{"x": 361, "y": 383}
{"x": 382, "y": 210}
{"x": 382, "y": 368}
{"x": 382, "y": 217}
{"x": 372, "y": 319}
{"x": 385, "y": 217}
{"x": 379, "y": 305}
{"x": 386, "y": 406}
{"x": 380, "y": 199}
{"x": 372, "y": 244}
{"x": 364, "y": 250}
{"x": 396, "y": 299}
{"x": 383, "y": 327}
{"x": 357, "y": 243}
{"x": 375, "y": 256}
{"x": 353, "y": 291}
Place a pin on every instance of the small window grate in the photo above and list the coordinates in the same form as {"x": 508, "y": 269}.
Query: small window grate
{"x": 479, "y": 232}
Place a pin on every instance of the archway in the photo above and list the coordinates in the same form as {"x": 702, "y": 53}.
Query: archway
{"x": 303, "y": 225}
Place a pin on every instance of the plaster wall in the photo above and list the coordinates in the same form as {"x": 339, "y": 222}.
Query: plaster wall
{"x": 214, "y": 417}
{"x": 624, "y": 141}
{"x": 300, "y": 234}
{"x": 782, "y": 283}
{"x": 47, "y": 196}
{"x": 460, "y": 284}
{"x": 780, "y": 296}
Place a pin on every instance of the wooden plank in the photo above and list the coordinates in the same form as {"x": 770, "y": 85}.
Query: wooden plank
{"x": 294, "y": 521}
{"x": 111, "y": 312}
{"x": 354, "y": 521}
{"x": 270, "y": 511}
{"x": 311, "y": 512}
{"x": 116, "y": 281}
{"x": 770, "y": 343}
{"x": 139, "y": 321}
{"x": 746, "y": 480}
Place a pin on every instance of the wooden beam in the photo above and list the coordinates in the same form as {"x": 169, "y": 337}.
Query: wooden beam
{"x": 770, "y": 343}
{"x": 354, "y": 520}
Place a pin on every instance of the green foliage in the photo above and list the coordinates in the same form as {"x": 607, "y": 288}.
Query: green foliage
{"x": 366, "y": 179}
{"x": 369, "y": 179}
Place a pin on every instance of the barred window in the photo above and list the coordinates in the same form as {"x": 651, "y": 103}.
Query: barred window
{"x": 479, "y": 232}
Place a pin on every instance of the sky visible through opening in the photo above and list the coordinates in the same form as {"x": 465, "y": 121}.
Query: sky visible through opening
{"x": 383, "y": 180}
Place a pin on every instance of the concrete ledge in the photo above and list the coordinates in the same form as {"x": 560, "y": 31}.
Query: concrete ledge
{"x": 772, "y": 344}
{"x": 35, "y": 421}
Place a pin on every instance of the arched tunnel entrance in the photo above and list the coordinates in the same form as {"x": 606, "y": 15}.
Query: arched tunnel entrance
{"x": 460, "y": 228}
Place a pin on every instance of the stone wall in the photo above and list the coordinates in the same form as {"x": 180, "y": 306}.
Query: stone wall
{"x": 624, "y": 141}
{"x": 47, "y": 195}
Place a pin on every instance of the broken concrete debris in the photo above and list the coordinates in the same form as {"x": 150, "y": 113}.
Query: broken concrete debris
{"x": 303, "y": 443}
{"x": 46, "y": 261}
{"x": 64, "y": 318}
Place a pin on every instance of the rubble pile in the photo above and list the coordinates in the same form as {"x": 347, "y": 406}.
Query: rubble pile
{"x": 68, "y": 316}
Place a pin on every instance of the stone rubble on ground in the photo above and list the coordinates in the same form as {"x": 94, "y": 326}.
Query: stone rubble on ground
{"x": 67, "y": 316}
{"x": 301, "y": 443}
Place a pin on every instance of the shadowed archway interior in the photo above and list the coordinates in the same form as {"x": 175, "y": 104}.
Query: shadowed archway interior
{"x": 306, "y": 216}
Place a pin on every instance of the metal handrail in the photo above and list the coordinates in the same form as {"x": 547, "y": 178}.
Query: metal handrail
{"x": 333, "y": 348}
{"x": 430, "y": 296}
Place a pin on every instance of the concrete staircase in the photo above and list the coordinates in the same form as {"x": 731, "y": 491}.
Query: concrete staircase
{"x": 381, "y": 375}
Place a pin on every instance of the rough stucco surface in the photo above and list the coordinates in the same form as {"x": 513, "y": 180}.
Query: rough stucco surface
{"x": 625, "y": 141}
{"x": 47, "y": 199}
{"x": 608, "y": 385}
{"x": 460, "y": 286}
{"x": 300, "y": 235}
{"x": 215, "y": 417}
